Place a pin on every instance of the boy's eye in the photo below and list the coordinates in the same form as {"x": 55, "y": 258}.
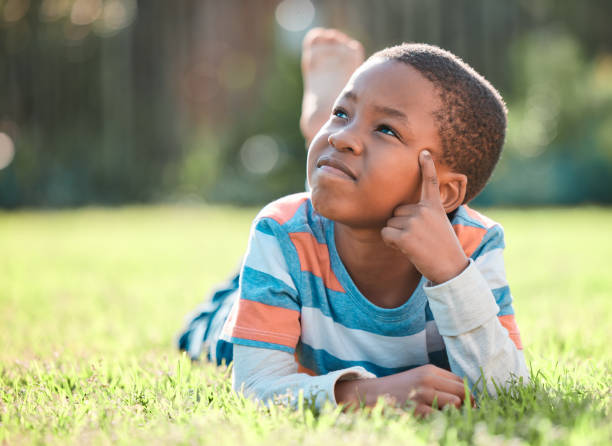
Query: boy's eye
{"x": 340, "y": 113}
{"x": 387, "y": 130}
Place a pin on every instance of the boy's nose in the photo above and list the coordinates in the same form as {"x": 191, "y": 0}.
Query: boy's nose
{"x": 345, "y": 141}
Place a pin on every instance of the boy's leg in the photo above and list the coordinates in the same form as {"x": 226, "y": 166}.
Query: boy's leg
{"x": 329, "y": 57}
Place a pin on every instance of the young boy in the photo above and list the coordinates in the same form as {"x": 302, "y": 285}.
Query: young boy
{"x": 381, "y": 281}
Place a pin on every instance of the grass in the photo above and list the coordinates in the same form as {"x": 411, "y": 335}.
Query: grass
{"x": 90, "y": 302}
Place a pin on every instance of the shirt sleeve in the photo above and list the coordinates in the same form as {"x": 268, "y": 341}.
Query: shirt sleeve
{"x": 267, "y": 312}
{"x": 474, "y": 315}
{"x": 272, "y": 376}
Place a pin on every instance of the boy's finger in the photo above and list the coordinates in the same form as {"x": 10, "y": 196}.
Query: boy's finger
{"x": 391, "y": 236}
{"x": 422, "y": 410}
{"x": 397, "y": 222}
{"x": 404, "y": 210}
{"x": 447, "y": 374}
{"x": 450, "y": 386}
{"x": 430, "y": 190}
{"x": 429, "y": 396}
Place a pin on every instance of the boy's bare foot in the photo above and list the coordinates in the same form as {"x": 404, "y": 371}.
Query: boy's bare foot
{"x": 329, "y": 57}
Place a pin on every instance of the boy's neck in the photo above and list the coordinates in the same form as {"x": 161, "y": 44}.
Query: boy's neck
{"x": 384, "y": 275}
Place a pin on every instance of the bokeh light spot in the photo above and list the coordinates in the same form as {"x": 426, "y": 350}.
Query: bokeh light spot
{"x": 7, "y": 150}
{"x": 116, "y": 15}
{"x": 259, "y": 154}
{"x": 85, "y": 12}
{"x": 51, "y": 10}
{"x": 295, "y": 15}
{"x": 14, "y": 10}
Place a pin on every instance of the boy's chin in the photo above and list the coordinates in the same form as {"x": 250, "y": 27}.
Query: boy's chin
{"x": 345, "y": 214}
{"x": 322, "y": 205}
{"x": 328, "y": 207}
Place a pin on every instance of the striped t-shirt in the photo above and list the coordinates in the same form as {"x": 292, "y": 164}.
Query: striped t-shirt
{"x": 296, "y": 296}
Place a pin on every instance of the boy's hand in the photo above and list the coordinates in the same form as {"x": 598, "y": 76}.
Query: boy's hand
{"x": 423, "y": 232}
{"x": 424, "y": 385}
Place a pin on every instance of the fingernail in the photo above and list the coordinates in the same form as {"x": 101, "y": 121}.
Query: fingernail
{"x": 426, "y": 153}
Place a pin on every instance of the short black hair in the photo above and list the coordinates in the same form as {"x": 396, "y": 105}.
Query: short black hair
{"x": 472, "y": 118}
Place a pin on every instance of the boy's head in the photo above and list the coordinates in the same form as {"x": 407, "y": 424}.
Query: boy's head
{"x": 472, "y": 115}
{"x": 364, "y": 161}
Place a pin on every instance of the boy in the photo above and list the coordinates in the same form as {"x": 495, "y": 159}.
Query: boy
{"x": 380, "y": 280}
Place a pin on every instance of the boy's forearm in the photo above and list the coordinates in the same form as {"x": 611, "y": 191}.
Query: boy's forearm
{"x": 487, "y": 352}
{"x": 356, "y": 392}
{"x": 271, "y": 374}
{"x": 466, "y": 315}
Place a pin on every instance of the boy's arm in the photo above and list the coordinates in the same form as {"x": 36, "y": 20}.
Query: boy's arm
{"x": 462, "y": 303}
{"x": 272, "y": 375}
{"x": 477, "y": 344}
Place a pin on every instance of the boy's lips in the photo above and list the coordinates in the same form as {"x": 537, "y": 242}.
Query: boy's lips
{"x": 337, "y": 165}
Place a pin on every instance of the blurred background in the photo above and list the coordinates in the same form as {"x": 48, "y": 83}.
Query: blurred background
{"x": 126, "y": 101}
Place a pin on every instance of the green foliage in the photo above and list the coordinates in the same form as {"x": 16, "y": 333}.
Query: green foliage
{"x": 91, "y": 300}
{"x": 559, "y": 144}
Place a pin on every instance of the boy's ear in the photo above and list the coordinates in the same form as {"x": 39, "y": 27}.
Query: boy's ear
{"x": 453, "y": 187}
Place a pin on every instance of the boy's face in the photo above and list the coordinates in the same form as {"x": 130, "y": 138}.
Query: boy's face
{"x": 363, "y": 163}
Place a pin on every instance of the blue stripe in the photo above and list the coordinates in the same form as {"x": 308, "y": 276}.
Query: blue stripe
{"x": 264, "y": 226}
{"x": 504, "y": 300}
{"x": 322, "y": 362}
{"x": 342, "y": 309}
{"x": 258, "y": 344}
{"x": 493, "y": 239}
{"x": 298, "y": 219}
{"x": 267, "y": 289}
{"x": 463, "y": 218}
{"x": 428, "y": 313}
{"x": 307, "y": 220}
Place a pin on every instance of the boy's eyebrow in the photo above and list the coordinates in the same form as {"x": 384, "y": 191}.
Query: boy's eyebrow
{"x": 349, "y": 95}
{"x": 393, "y": 112}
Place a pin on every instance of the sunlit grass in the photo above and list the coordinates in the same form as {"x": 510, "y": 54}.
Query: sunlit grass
{"x": 90, "y": 302}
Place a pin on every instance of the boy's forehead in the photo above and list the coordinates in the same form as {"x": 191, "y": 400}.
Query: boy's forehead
{"x": 391, "y": 82}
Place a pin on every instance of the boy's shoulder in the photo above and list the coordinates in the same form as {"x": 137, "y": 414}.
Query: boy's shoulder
{"x": 286, "y": 208}
{"x": 476, "y": 232}
{"x": 293, "y": 214}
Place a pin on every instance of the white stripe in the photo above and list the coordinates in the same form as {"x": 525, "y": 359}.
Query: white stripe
{"x": 491, "y": 266}
{"x": 265, "y": 255}
{"x": 434, "y": 339}
{"x": 348, "y": 344}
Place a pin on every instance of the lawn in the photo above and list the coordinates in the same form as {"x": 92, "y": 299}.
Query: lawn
{"x": 91, "y": 299}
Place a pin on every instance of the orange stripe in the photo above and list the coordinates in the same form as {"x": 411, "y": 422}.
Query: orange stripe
{"x": 284, "y": 209}
{"x": 265, "y": 323}
{"x": 469, "y": 237}
{"x": 486, "y": 221}
{"x": 314, "y": 257}
{"x": 509, "y": 323}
